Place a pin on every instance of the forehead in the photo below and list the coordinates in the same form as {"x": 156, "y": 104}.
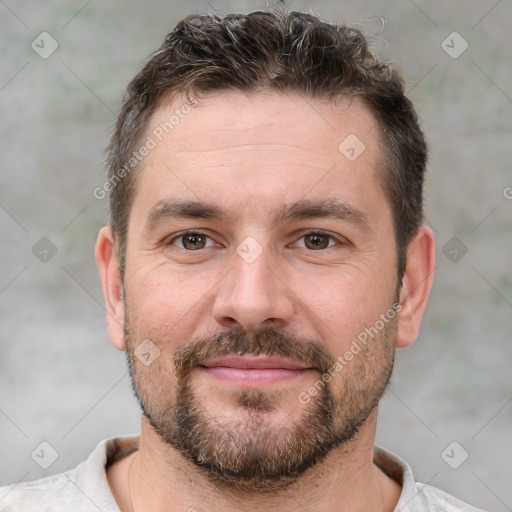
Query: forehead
{"x": 263, "y": 117}
{"x": 264, "y": 144}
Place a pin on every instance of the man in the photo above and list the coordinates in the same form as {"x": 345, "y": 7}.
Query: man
{"x": 265, "y": 256}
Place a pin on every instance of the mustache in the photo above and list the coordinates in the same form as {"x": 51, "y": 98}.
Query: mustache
{"x": 267, "y": 342}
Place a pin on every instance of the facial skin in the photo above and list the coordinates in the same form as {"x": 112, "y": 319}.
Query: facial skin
{"x": 217, "y": 303}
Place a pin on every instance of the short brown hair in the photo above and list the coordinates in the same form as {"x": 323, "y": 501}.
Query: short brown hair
{"x": 276, "y": 51}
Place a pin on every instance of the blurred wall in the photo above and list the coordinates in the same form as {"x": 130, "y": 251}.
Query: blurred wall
{"x": 61, "y": 382}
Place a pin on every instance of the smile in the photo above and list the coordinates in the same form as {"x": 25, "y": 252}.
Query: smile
{"x": 253, "y": 371}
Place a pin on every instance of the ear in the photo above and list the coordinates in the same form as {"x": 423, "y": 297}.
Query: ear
{"x": 110, "y": 275}
{"x": 416, "y": 285}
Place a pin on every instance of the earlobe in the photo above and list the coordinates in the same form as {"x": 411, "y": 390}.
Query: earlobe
{"x": 110, "y": 275}
{"x": 416, "y": 285}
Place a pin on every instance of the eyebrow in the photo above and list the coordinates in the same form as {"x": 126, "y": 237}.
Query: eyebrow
{"x": 168, "y": 209}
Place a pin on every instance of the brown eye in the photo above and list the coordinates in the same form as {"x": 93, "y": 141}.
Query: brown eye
{"x": 190, "y": 241}
{"x": 316, "y": 241}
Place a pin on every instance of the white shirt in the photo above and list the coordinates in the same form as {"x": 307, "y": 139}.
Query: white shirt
{"x": 86, "y": 489}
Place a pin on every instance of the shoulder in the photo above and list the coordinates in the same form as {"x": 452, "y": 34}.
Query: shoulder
{"x": 82, "y": 489}
{"x": 416, "y": 497}
{"x": 430, "y": 498}
{"x": 49, "y": 493}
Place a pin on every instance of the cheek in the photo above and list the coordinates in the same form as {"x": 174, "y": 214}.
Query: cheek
{"x": 164, "y": 303}
{"x": 344, "y": 304}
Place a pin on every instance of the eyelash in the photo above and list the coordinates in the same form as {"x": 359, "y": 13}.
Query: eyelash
{"x": 195, "y": 232}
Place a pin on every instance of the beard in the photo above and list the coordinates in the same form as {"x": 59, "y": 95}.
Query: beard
{"x": 260, "y": 449}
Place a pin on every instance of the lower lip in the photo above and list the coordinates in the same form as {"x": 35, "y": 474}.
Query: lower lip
{"x": 253, "y": 377}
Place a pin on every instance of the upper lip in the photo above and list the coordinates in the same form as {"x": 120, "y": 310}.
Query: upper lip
{"x": 255, "y": 362}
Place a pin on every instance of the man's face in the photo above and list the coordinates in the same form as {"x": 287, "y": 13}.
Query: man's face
{"x": 251, "y": 307}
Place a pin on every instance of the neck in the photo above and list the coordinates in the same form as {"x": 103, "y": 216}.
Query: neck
{"x": 346, "y": 480}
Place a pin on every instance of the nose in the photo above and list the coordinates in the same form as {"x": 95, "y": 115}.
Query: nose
{"x": 253, "y": 295}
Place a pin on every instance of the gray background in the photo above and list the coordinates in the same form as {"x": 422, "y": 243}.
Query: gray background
{"x": 60, "y": 379}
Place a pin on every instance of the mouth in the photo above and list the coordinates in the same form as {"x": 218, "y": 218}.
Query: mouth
{"x": 253, "y": 371}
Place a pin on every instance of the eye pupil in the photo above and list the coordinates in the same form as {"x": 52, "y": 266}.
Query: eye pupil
{"x": 318, "y": 241}
{"x": 195, "y": 239}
